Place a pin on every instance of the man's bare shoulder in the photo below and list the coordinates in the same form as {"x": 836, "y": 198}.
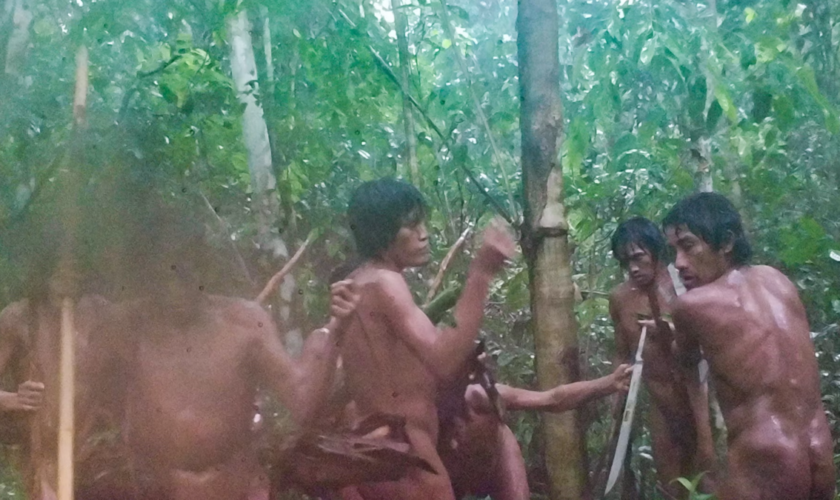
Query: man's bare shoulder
{"x": 703, "y": 303}
{"x": 239, "y": 312}
{"x": 770, "y": 277}
{"x": 381, "y": 283}
{"x": 621, "y": 293}
{"x": 14, "y": 313}
{"x": 13, "y": 318}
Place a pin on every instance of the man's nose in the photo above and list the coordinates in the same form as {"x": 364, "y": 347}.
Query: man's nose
{"x": 422, "y": 233}
{"x": 680, "y": 262}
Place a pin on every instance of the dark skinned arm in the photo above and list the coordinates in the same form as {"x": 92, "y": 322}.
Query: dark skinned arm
{"x": 444, "y": 353}
{"x": 302, "y": 384}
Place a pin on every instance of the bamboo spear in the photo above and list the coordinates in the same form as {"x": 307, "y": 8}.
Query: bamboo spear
{"x": 67, "y": 373}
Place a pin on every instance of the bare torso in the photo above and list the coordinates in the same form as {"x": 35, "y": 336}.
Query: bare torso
{"x": 753, "y": 330}
{"x": 677, "y": 450}
{"x": 385, "y": 375}
{"x": 190, "y": 399}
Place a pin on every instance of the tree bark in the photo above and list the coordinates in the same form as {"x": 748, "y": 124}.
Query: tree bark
{"x": 405, "y": 79}
{"x": 545, "y": 241}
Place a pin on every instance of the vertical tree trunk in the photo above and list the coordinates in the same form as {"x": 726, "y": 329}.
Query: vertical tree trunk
{"x": 19, "y": 18}
{"x": 413, "y": 170}
{"x": 545, "y": 240}
{"x": 254, "y": 130}
{"x": 260, "y": 165}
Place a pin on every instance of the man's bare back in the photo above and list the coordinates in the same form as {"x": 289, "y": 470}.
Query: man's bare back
{"x": 756, "y": 337}
{"x": 753, "y": 330}
{"x": 189, "y": 377}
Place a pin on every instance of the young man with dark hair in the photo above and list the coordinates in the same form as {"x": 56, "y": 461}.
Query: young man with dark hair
{"x": 753, "y": 330}
{"x": 394, "y": 357}
{"x": 681, "y": 438}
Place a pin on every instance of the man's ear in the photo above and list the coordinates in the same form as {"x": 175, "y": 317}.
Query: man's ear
{"x": 729, "y": 244}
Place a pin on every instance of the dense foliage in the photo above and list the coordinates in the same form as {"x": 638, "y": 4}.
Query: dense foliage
{"x": 659, "y": 98}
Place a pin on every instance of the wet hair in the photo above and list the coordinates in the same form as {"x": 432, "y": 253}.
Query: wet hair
{"x": 641, "y": 232}
{"x": 714, "y": 219}
{"x": 377, "y": 211}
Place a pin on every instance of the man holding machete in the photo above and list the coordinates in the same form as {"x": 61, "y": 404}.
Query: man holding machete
{"x": 681, "y": 438}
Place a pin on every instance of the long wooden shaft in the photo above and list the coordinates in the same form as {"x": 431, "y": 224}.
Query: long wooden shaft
{"x": 66, "y": 422}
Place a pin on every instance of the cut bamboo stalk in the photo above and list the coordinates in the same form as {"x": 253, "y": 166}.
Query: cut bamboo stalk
{"x": 66, "y": 417}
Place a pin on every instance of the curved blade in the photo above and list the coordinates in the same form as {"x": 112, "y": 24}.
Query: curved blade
{"x": 627, "y": 419}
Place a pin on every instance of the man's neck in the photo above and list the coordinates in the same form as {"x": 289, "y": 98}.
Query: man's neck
{"x": 384, "y": 262}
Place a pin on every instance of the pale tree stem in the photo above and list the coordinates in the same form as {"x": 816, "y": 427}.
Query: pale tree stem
{"x": 405, "y": 79}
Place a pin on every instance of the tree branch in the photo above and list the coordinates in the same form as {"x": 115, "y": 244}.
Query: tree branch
{"x": 444, "y": 265}
{"x": 277, "y": 278}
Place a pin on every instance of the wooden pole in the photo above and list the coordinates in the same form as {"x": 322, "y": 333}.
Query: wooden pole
{"x": 67, "y": 367}
{"x": 66, "y": 420}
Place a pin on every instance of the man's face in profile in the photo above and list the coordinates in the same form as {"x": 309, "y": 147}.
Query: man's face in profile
{"x": 697, "y": 262}
{"x": 410, "y": 247}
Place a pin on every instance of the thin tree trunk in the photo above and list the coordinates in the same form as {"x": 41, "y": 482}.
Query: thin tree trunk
{"x": 545, "y": 241}
{"x": 263, "y": 181}
{"x": 21, "y": 18}
{"x": 254, "y": 132}
{"x": 405, "y": 79}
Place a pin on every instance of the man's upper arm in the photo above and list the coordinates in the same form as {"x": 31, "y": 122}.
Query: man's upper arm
{"x": 272, "y": 364}
{"x": 685, "y": 332}
{"x": 12, "y": 319}
{"x": 622, "y": 348}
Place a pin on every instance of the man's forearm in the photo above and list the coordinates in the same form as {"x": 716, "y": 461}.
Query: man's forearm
{"x": 457, "y": 343}
{"x": 316, "y": 369}
{"x": 559, "y": 399}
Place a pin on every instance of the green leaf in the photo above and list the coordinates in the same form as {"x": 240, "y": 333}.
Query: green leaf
{"x": 749, "y": 14}
{"x": 726, "y": 103}
{"x": 446, "y": 43}
{"x": 648, "y": 51}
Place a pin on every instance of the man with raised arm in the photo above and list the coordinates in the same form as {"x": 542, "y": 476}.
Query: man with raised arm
{"x": 190, "y": 364}
{"x": 681, "y": 438}
{"x": 753, "y": 330}
{"x": 394, "y": 357}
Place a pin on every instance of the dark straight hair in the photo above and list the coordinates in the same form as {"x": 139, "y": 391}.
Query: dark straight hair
{"x": 377, "y": 211}
{"x": 714, "y": 219}
{"x": 641, "y": 232}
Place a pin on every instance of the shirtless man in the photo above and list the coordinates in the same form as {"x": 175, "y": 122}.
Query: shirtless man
{"x": 480, "y": 451}
{"x": 394, "y": 357}
{"x": 190, "y": 364}
{"x": 30, "y": 354}
{"x": 681, "y": 438}
{"x": 754, "y": 332}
